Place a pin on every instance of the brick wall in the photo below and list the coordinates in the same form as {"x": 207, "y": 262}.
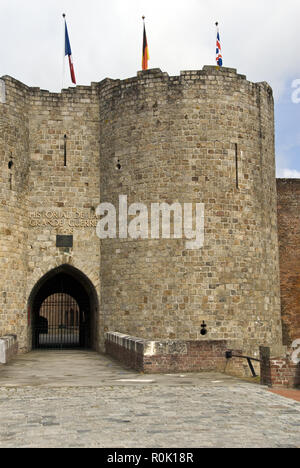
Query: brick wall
{"x": 153, "y": 357}
{"x": 289, "y": 253}
{"x": 128, "y": 350}
{"x": 278, "y": 371}
{"x": 196, "y": 356}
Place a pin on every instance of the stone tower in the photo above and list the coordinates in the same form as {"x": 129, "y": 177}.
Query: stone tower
{"x": 202, "y": 137}
{"x": 14, "y": 163}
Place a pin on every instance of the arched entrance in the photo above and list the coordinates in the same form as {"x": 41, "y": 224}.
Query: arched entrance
{"x": 63, "y": 307}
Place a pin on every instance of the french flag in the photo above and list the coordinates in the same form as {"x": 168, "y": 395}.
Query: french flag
{"x": 68, "y": 52}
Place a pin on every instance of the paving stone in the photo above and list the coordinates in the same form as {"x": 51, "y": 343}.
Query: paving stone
{"x": 93, "y": 410}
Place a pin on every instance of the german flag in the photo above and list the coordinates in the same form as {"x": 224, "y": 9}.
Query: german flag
{"x": 145, "y": 50}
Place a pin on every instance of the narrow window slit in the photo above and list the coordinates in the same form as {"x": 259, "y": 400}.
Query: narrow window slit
{"x": 65, "y": 150}
{"x": 236, "y": 166}
{"x": 10, "y": 166}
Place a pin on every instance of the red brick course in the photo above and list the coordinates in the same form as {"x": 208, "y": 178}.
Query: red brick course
{"x": 129, "y": 358}
{"x": 200, "y": 356}
{"x": 288, "y": 194}
{"x": 278, "y": 372}
{"x": 172, "y": 356}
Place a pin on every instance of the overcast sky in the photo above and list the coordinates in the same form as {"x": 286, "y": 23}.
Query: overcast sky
{"x": 260, "y": 38}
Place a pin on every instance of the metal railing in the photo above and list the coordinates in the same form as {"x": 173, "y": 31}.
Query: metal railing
{"x": 229, "y": 355}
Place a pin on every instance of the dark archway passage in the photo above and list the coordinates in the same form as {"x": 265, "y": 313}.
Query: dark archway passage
{"x": 63, "y": 311}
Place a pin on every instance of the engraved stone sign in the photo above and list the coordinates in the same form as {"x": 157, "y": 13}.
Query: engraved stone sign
{"x": 60, "y": 219}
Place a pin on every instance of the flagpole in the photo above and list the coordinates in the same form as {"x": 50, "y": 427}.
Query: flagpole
{"x": 64, "y": 52}
{"x": 143, "y": 18}
{"x": 217, "y": 24}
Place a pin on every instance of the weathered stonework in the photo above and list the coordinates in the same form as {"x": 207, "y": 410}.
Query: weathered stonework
{"x": 40, "y": 197}
{"x": 174, "y": 138}
{"x": 202, "y": 137}
{"x": 14, "y": 160}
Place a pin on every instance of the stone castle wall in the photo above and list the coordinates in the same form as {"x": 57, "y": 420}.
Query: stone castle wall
{"x": 153, "y": 138}
{"x": 173, "y": 139}
{"x": 14, "y": 173}
{"x": 63, "y": 198}
{"x": 47, "y": 198}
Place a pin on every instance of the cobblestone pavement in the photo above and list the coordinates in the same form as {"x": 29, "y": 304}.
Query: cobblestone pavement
{"x": 81, "y": 399}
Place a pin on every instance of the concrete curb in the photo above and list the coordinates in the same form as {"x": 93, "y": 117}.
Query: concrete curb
{"x": 8, "y": 348}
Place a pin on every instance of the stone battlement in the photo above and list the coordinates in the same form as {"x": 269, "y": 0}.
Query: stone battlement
{"x": 208, "y": 75}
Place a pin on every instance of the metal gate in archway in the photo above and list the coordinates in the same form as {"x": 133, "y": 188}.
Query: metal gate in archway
{"x": 61, "y": 315}
{"x": 60, "y": 323}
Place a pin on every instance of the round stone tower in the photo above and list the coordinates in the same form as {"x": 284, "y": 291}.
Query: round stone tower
{"x": 204, "y": 137}
{"x": 14, "y": 167}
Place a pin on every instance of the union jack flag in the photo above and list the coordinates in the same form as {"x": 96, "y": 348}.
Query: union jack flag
{"x": 219, "y": 57}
